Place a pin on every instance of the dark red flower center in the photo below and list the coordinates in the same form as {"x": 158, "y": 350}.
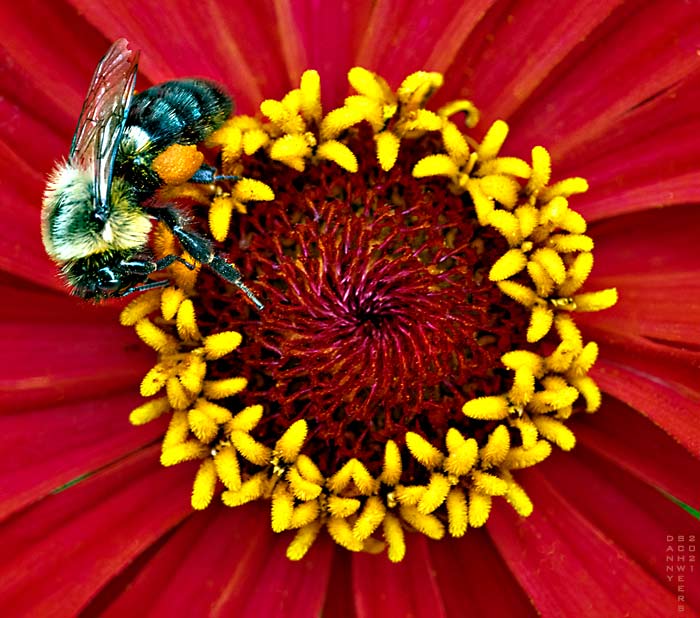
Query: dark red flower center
{"x": 380, "y": 317}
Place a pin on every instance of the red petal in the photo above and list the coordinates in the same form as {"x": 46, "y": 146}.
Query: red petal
{"x": 21, "y": 251}
{"x": 639, "y": 518}
{"x": 222, "y": 563}
{"x": 665, "y": 307}
{"x": 30, "y": 303}
{"x": 408, "y": 588}
{"x": 514, "y": 48}
{"x": 326, "y": 36}
{"x": 671, "y": 408}
{"x": 664, "y": 242}
{"x": 46, "y": 363}
{"x": 666, "y": 363}
{"x": 53, "y": 446}
{"x": 45, "y": 87}
{"x": 403, "y": 36}
{"x": 61, "y": 551}
{"x": 566, "y": 565}
{"x": 281, "y": 587}
{"x": 647, "y": 159}
{"x": 340, "y": 602}
{"x": 232, "y": 45}
{"x": 632, "y": 442}
{"x": 637, "y": 53}
{"x": 472, "y": 574}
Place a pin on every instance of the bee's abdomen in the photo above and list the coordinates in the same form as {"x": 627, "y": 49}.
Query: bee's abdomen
{"x": 180, "y": 111}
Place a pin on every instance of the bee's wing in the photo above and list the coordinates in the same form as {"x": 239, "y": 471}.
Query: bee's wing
{"x": 103, "y": 117}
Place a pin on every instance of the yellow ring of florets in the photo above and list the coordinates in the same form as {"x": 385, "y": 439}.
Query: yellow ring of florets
{"x": 547, "y": 240}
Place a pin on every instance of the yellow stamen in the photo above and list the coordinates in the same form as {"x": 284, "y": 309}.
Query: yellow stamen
{"x": 140, "y": 307}
{"x": 461, "y": 458}
{"x": 219, "y": 345}
{"x": 565, "y": 188}
{"x": 455, "y": 144}
{"x": 370, "y": 519}
{"x": 486, "y": 408}
{"x": 429, "y": 525}
{"x": 435, "y": 493}
{"x": 509, "y": 264}
{"x": 503, "y": 189}
{"x": 309, "y": 470}
{"x": 342, "y": 507}
{"x": 423, "y": 451}
{"x": 178, "y": 395}
{"x": 540, "y": 322}
{"x": 170, "y": 302}
{"x": 246, "y": 419}
{"x": 596, "y": 301}
{"x": 303, "y": 540}
{"x": 250, "y": 449}
{"x": 590, "y": 391}
{"x": 479, "y": 508}
{"x": 202, "y": 425}
{"x": 204, "y": 485}
{"x": 338, "y": 153}
{"x": 191, "y": 372}
{"x": 493, "y": 141}
{"x": 518, "y": 457}
{"x": 310, "y": 88}
{"x": 149, "y": 411}
{"x": 541, "y": 170}
{"x": 304, "y": 514}
{"x": 461, "y": 105}
{"x": 340, "y": 480}
{"x": 187, "y": 451}
{"x": 219, "y": 389}
{"x": 251, "y": 489}
{"x": 228, "y": 469}
{"x": 301, "y": 488}
{"x": 393, "y": 533}
{"x": 220, "y": 213}
{"x": 435, "y": 165}
{"x": 187, "y": 322}
{"x": 155, "y": 337}
{"x": 457, "y": 512}
{"x": 391, "y": 472}
{"x": 178, "y": 430}
{"x": 489, "y": 484}
{"x": 528, "y": 432}
{"x": 282, "y": 508}
{"x": 518, "y": 499}
{"x": 341, "y": 533}
{"x": 555, "y": 431}
{"x": 387, "y": 149}
{"x": 496, "y": 448}
{"x": 289, "y": 445}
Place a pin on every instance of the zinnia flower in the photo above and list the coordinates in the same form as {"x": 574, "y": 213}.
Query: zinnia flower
{"x": 414, "y": 424}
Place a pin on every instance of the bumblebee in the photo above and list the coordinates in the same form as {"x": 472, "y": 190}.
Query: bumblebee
{"x": 99, "y": 207}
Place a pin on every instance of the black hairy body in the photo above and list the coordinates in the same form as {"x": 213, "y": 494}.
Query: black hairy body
{"x": 177, "y": 112}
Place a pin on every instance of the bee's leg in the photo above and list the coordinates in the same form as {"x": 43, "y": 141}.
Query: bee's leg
{"x": 168, "y": 260}
{"x": 202, "y": 251}
{"x": 150, "y": 285}
{"x": 207, "y": 175}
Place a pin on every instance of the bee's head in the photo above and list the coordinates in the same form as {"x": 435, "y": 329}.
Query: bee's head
{"x": 101, "y": 276}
